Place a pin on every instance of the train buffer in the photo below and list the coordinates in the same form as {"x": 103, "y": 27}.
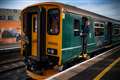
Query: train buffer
{"x": 105, "y": 66}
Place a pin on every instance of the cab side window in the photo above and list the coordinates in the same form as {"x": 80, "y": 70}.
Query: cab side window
{"x": 116, "y": 31}
{"x": 76, "y": 27}
{"x": 99, "y": 29}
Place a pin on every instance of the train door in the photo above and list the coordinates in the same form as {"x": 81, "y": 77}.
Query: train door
{"x": 34, "y": 34}
{"x": 109, "y": 32}
{"x": 85, "y": 31}
{"x": 34, "y": 28}
{"x": 99, "y": 33}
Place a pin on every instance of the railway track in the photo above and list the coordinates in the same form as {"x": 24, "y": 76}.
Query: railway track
{"x": 10, "y": 65}
{"x": 8, "y": 54}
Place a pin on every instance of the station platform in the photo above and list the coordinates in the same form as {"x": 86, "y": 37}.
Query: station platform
{"x": 105, "y": 66}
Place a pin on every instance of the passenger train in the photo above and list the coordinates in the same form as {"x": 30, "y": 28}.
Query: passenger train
{"x": 51, "y": 34}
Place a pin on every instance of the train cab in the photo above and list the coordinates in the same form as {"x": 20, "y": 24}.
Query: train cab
{"x": 41, "y": 35}
{"x": 51, "y": 35}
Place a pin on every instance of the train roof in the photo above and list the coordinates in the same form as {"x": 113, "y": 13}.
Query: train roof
{"x": 74, "y": 9}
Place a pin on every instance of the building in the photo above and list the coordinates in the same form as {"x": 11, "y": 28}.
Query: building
{"x": 9, "y": 14}
{"x": 10, "y": 25}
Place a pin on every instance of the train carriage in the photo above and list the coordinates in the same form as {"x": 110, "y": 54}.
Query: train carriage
{"x": 51, "y": 34}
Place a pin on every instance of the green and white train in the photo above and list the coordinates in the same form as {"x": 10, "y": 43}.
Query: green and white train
{"x": 52, "y": 34}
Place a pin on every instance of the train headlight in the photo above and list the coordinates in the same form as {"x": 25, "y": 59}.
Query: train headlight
{"x": 52, "y": 51}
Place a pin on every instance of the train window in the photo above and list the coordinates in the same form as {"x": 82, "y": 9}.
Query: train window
{"x": 10, "y": 18}
{"x": 99, "y": 31}
{"x": 116, "y": 31}
{"x": 34, "y": 20}
{"x": 53, "y": 26}
{"x": 96, "y": 24}
{"x": 76, "y": 27}
{"x": 2, "y": 17}
{"x": 101, "y": 25}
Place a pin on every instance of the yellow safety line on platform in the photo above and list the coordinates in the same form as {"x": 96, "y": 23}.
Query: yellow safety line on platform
{"x": 98, "y": 77}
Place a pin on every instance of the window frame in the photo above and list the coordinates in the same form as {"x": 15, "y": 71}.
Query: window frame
{"x": 99, "y": 31}
{"x": 114, "y": 31}
{"x": 2, "y": 17}
{"x": 48, "y": 31}
{"x": 76, "y": 28}
{"x": 96, "y": 24}
{"x": 99, "y": 27}
{"x": 10, "y": 17}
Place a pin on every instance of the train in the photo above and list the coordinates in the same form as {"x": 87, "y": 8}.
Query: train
{"x": 53, "y": 35}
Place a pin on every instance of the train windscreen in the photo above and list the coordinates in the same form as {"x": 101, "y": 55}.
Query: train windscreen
{"x": 53, "y": 26}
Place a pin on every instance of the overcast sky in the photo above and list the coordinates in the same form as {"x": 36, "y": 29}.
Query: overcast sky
{"x": 109, "y": 8}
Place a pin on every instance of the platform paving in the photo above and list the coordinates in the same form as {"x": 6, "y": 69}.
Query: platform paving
{"x": 91, "y": 72}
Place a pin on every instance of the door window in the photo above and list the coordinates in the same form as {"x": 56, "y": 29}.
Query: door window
{"x": 34, "y": 20}
{"x": 99, "y": 29}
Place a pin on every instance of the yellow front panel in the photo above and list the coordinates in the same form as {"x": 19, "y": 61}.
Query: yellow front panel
{"x": 55, "y": 41}
{"x": 52, "y": 41}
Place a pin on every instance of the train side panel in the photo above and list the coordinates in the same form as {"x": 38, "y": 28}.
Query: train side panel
{"x": 71, "y": 41}
{"x": 115, "y": 34}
